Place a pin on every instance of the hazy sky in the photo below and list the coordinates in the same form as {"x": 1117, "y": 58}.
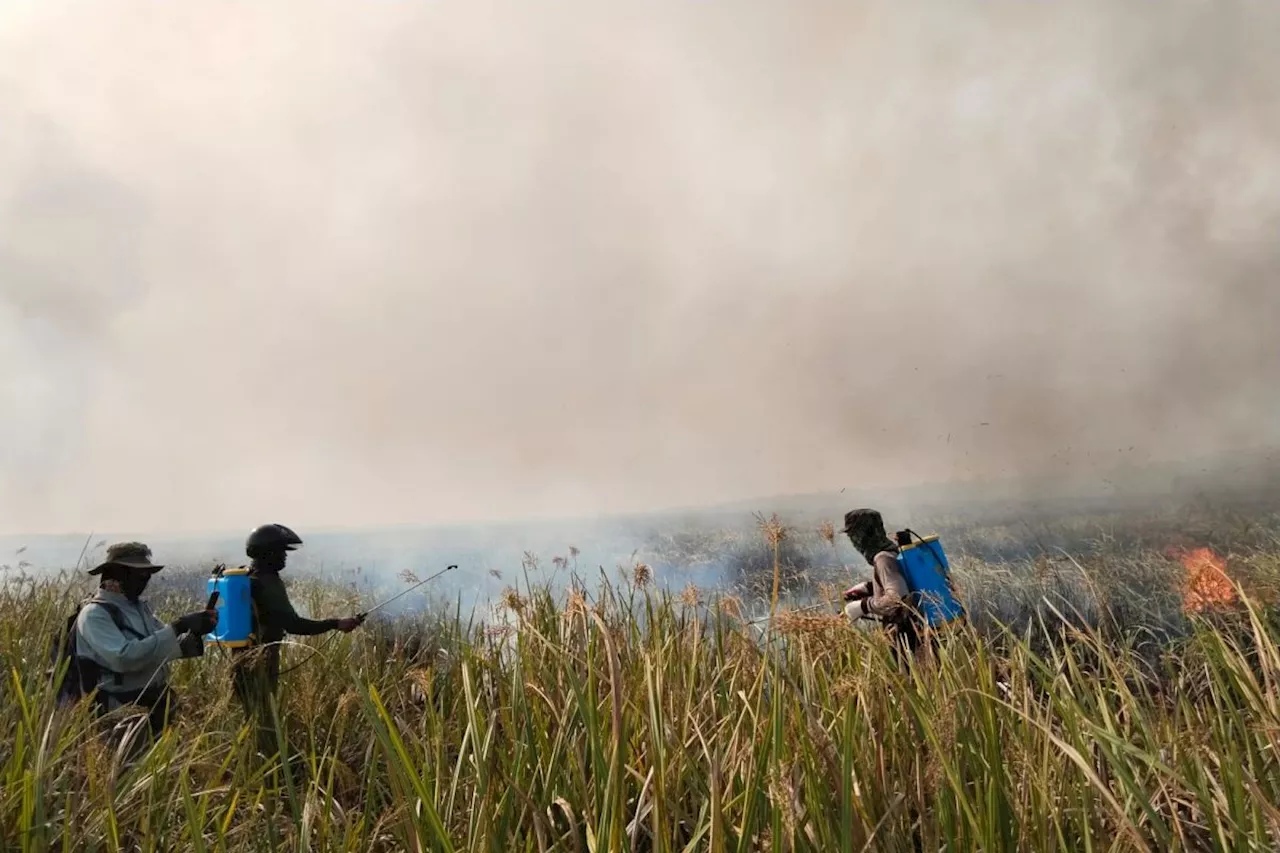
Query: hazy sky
{"x": 341, "y": 263}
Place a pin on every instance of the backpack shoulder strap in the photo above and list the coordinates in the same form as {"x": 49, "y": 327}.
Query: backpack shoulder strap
{"x": 64, "y": 645}
{"x": 255, "y": 589}
{"x": 118, "y": 618}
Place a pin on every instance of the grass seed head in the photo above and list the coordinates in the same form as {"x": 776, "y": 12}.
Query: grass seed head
{"x": 576, "y": 604}
{"x": 512, "y": 600}
{"x": 350, "y": 699}
{"x": 731, "y": 606}
{"x": 642, "y": 574}
{"x": 775, "y": 532}
{"x": 827, "y": 531}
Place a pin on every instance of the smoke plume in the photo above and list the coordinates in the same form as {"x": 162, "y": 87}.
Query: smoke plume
{"x": 345, "y": 263}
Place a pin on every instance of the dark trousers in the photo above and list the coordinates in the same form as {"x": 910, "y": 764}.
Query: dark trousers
{"x": 255, "y": 687}
{"x": 907, "y": 639}
{"x": 160, "y": 706}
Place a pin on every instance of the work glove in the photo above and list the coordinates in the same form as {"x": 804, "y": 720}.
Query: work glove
{"x": 199, "y": 623}
{"x": 853, "y": 611}
{"x": 192, "y": 645}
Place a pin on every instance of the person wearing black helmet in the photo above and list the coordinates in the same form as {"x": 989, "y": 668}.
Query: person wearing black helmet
{"x": 256, "y": 671}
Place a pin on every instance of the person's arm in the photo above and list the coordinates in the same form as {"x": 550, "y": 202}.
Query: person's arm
{"x": 858, "y": 591}
{"x": 273, "y": 598}
{"x": 893, "y": 598}
{"x": 122, "y": 652}
{"x": 190, "y": 638}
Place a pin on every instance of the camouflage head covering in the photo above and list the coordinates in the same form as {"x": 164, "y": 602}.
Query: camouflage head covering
{"x": 127, "y": 555}
{"x": 865, "y": 529}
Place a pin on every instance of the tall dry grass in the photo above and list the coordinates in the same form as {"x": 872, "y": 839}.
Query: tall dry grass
{"x": 622, "y": 717}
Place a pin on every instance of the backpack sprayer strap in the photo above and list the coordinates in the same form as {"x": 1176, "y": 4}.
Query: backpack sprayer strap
{"x": 117, "y": 617}
{"x": 904, "y": 537}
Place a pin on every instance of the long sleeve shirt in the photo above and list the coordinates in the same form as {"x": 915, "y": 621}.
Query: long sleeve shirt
{"x": 274, "y": 617}
{"x": 887, "y": 590}
{"x": 275, "y": 614}
{"x": 141, "y": 661}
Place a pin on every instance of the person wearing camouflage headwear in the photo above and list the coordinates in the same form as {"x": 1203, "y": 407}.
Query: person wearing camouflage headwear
{"x": 128, "y": 648}
{"x": 886, "y": 596}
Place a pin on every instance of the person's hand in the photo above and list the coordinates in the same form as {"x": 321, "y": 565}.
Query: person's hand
{"x": 200, "y": 622}
{"x": 192, "y": 645}
{"x": 350, "y": 623}
{"x": 857, "y": 593}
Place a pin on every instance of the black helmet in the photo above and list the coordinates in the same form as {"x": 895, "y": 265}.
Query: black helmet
{"x": 271, "y": 539}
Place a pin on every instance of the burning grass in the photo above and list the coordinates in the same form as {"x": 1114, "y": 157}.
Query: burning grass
{"x": 631, "y": 717}
{"x": 1207, "y": 585}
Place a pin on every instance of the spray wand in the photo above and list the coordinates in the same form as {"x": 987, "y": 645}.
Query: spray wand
{"x": 365, "y": 614}
{"x": 360, "y": 617}
{"x": 806, "y": 609}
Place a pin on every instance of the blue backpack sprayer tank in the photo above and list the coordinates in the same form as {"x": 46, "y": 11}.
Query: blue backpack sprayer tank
{"x": 928, "y": 573}
{"x": 234, "y": 603}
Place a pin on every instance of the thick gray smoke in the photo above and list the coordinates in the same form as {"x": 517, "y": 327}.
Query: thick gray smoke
{"x": 375, "y": 262}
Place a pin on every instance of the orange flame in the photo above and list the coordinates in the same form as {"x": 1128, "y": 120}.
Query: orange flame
{"x": 1207, "y": 584}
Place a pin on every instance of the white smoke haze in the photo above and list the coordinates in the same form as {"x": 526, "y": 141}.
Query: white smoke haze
{"x": 356, "y": 263}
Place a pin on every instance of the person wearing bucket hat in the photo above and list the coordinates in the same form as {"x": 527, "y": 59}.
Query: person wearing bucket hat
{"x": 886, "y": 595}
{"x": 123, "y": 642}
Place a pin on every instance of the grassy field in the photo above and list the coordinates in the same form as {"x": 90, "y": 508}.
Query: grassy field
{"x": 1087, "y": 706}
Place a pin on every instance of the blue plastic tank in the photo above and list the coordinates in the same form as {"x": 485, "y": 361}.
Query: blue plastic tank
{"x": 235, "y": 609}
{"x": 928, "y": 573}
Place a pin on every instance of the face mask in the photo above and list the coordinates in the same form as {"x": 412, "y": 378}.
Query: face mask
{"x": 871, "y": 544}
{"x": 134, "y": 584}
{"x": 271, "y": 562}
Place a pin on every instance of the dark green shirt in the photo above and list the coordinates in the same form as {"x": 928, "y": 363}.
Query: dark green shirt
{"x": 274, "y": 617}
{"x": 274, "y": 614}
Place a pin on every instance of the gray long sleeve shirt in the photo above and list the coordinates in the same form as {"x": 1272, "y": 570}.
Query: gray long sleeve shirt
{"x": 140, "y": 661}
